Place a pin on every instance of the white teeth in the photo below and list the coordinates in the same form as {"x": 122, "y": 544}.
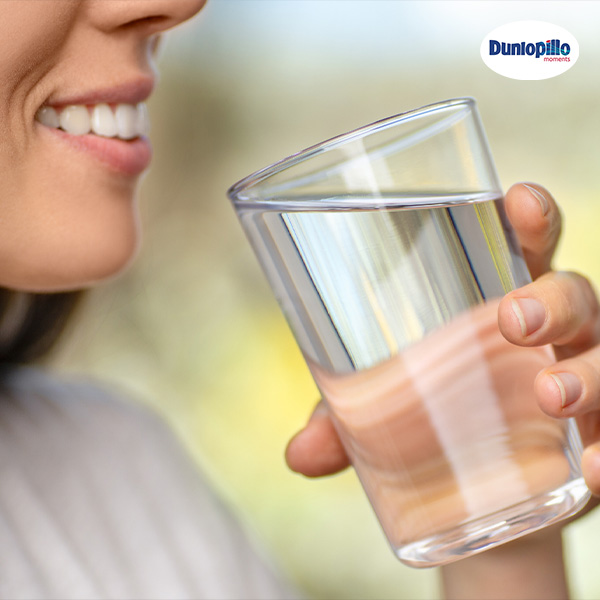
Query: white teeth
{"x": 125, "y": 121}
{"x": 75, "y": 120}
{"x": 103, "y": 121}
{"x": 127, "y": 117}
{"x": 143, "y": 121}
{"x": 48, "y": 116}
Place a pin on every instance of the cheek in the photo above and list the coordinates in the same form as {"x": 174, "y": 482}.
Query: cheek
{"x": 32, "y": 32}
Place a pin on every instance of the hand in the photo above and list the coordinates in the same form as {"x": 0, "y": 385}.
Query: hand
{"x": 567, "y": 315}
{"x": 559, "y": 308}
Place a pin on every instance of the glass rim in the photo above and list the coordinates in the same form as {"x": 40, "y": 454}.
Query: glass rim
{"x": 261, "y": 175}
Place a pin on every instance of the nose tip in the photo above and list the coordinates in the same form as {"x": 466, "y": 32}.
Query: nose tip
{"x": 151, "y": 16}
{"x": 182, "y": 10}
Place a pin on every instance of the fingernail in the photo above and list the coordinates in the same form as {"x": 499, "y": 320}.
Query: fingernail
{"x": 540, "y": 198}
{"x": 569, "y": 387}
{"x": 530, "y": 313}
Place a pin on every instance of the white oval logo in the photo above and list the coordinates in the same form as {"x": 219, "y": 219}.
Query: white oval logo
{"x": 529, "y": 50}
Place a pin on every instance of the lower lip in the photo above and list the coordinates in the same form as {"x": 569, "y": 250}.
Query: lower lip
{"x": 129, "y": 157}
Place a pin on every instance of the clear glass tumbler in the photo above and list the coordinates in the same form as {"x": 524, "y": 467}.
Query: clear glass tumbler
{"x": 388, "y": 250}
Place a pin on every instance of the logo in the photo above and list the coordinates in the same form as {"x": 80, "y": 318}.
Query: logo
{"x": 529, "y": 50}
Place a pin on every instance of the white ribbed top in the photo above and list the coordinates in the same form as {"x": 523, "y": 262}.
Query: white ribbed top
{"x": 97, "y": 500}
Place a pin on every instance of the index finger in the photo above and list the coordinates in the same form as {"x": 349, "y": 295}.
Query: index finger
{"x": 536, "y": 219}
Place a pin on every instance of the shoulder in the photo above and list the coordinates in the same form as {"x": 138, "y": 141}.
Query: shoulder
{"x": 93, "y": 479}
{"x": 45, "y": 401}
{"x": 56, "y": 430}
{"x": 66, "y": 424}
{"x": 67, "y": 392}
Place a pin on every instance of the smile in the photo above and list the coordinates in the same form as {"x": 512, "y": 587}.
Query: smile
{"x": 122, "y": 121}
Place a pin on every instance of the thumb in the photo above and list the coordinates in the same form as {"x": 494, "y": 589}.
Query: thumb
{"x": 317, "y": 450}
{"x": 536, "y": 219}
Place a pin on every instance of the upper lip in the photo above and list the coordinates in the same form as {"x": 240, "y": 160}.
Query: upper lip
{"x": 127, "y": 92}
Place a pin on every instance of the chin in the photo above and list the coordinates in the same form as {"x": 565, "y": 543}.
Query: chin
{"x": 79, "y": 264}
{"x": 91, "y": 269}
{"x": 94, "y": 270}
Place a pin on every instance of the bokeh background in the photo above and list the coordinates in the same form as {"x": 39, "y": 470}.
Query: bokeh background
{"x": 192, "y": 328}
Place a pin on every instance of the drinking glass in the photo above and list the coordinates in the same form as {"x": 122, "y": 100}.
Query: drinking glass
{"x": 388, "y": 250}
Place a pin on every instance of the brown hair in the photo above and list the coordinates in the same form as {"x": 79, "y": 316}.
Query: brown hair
{"x": 31, "y": 323}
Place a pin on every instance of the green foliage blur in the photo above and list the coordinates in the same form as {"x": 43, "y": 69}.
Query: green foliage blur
{"x": 193, "y": 329}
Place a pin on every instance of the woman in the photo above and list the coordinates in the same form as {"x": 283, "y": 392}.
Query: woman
{"x": 96, "y": 499}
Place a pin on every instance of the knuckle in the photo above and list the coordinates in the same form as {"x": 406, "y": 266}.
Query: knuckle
{"x": 588, "y": 291}
{"x": 575, "y": 300}
{"x": 558, "y": 299}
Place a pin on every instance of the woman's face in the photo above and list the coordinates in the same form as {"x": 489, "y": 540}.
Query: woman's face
{"x": 74, "y": 75}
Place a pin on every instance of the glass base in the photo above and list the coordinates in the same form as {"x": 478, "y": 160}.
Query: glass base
{"x": 495, "y": 529}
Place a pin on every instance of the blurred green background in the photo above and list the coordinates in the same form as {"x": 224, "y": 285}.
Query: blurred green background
{"x": 193, "y": 329}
